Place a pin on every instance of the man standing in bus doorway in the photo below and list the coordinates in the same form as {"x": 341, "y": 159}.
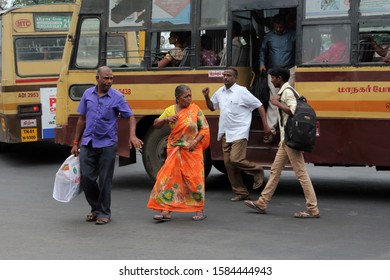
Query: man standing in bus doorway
{"x": 236, "y": 104}
{"x": 97, "y": 128}
{"x": 286, "y": 102}
{"x": 277, "y": 49}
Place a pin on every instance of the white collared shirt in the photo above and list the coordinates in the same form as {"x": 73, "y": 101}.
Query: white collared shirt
{"x": 236, "y": 105}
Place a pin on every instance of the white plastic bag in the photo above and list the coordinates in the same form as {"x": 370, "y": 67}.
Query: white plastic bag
{"x": 67, "y": 181}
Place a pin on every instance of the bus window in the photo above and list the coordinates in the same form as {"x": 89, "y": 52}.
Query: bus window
{"x": 214, "y": 13}
{"x": 116, "y": 55}
{"x": 211, "y": 44}
{"x": 88, "y": 47}
{"x": 374, "y": 42}
{"x": 171, "y": 48}
{"x": 124, "y": 49}
{"x": 29, "y": 50}
{"x": 213, "y": 22}
{"x": 326, "y": 44}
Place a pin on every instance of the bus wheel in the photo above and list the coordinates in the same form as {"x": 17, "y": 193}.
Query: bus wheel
{"x": 154, "y": 152}
{"x": 4, "y": 147}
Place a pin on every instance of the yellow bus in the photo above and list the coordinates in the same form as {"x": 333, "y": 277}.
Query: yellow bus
{"x": 32, "y": 40}
{"x": 351, "y": 97}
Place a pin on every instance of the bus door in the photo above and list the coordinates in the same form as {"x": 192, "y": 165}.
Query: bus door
{"x": 255, "y": 19}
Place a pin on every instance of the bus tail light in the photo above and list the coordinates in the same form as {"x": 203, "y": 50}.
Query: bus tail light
{"x": 29, "y": 110}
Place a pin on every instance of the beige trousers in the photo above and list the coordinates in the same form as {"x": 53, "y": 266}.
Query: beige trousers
{"x": 283, "y": 155}
{"x": 234, "y": 157}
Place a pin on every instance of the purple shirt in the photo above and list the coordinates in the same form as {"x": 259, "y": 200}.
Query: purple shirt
{"x": 101, "y": 115}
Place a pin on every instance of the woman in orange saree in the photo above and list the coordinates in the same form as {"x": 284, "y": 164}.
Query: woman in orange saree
{"x": 180, "y": 183}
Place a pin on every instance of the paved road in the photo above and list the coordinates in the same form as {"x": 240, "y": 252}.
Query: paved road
{"x": 354, "y": 203}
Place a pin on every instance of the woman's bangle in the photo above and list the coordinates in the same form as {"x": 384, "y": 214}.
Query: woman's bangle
{"x": 75, "y": 142}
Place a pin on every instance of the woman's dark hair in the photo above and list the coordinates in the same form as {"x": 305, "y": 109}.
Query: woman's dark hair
{"x": 205, "y": 41}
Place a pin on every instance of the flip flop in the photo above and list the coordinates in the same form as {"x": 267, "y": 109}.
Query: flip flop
{"x": 199, "y": 216}
{"x": 252, "y": 205}
{"x": 91, "y": 217}
{"x": 164, "y": 216}
{"x": 306, "y": 214}
{"x": 102, "y": 221}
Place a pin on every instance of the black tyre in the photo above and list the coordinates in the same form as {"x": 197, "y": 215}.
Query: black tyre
{"x": 154, "y": 151}
{"x": 4, "y": 147}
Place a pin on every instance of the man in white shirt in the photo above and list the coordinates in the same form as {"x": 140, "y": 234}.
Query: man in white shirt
{"x": 236, "y": 104}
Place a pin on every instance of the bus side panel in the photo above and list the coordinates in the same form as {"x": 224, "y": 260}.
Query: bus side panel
{"x": 351, "y": 142}
{"x": 215, "y": 146}
{"x": 64, "y": 134}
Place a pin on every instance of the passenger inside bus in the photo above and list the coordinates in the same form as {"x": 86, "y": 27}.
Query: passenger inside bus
{"x": 382, "y": 51}
{"x": 187, "y": 48}
{"x": 338, "y": 50}
{"x": 208, "y": 57}
{"x": 236, "y": 45}
{"x": 175, "y": 56}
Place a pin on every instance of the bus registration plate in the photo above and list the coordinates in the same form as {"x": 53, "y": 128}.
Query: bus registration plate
{"x": 29, "y": 134}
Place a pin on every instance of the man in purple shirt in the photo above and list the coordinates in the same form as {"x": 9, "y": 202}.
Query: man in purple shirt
{"x": 97, "y": 128}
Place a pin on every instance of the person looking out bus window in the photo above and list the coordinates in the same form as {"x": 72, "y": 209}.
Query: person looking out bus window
{"x": 236, "y": 104}
{"x": 176, "y": 54}
{"x": 208, "y": 57}
{"x": 180, "y": 182}
{"x": 97, "y": 134}
{"x": 286, "y": 102}
{"x": 277, "y": 49}
{"x": 384, "y": 52}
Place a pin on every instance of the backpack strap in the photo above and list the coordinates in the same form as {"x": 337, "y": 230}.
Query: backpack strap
{"x": 296, "y": 96}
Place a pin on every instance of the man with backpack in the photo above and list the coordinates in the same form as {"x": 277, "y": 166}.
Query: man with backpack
{"x": 287, "y": 103}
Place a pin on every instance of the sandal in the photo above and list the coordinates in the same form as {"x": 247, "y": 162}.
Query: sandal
{"x": 199, "y": 216}
{"x": 252, "y": 205}
{"x": 91, "y": 217}
{"x": 102, "y": 221}
{"x": 306, "y": 214}
{"x": 164, "y": 216}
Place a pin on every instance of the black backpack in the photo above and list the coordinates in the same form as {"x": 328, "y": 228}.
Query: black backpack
{"x": 301, "y": 129}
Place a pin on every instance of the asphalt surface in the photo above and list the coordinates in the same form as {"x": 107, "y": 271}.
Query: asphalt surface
{"x": 354, "y": 225}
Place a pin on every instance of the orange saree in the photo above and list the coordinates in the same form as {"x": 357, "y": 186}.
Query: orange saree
{"x": 180, "y": 182}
